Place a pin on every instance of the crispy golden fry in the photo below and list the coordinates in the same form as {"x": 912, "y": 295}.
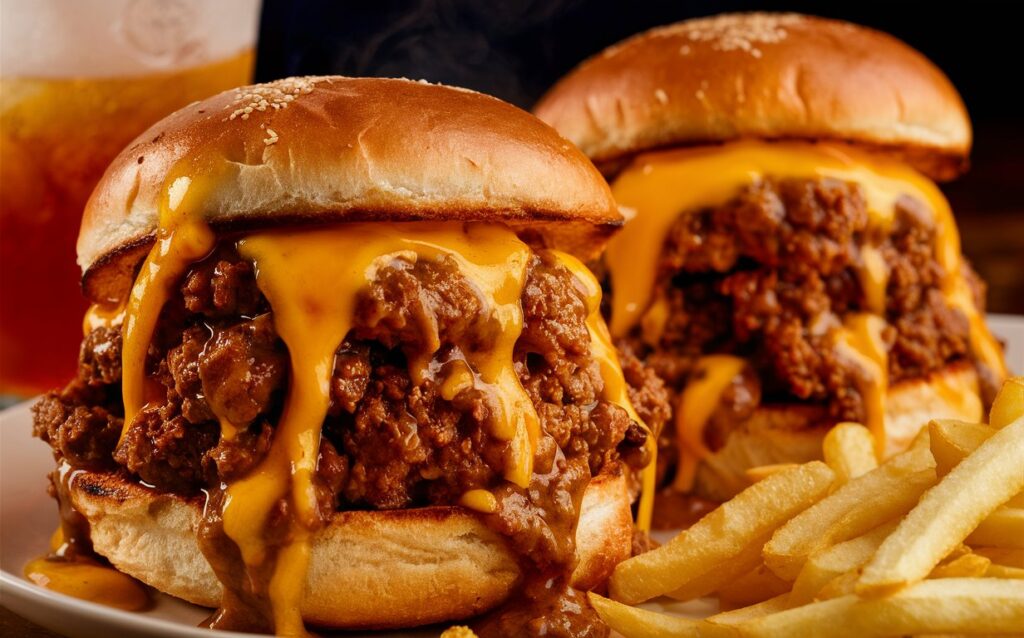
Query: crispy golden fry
{"x": 458, "y": 631}
{"x": 1008, "y": 405}
{"x": 737, "y": 616}
{"x": 1002, "y": 555}
{"x": 966, "y": 566}
{"x": 921, "y": 441}
{"x": 733, "y": 569}
{"x": 949, "y": 605}
{"x": 948, "y": 513}
{"x": 734, "y": 529}
{"x": 1003, "y": 528}
{"x": 755, "y": 474}
{"x": 841, "y": 585}
{"x": 757, "y": 585}
{"x": 1002, "y": 571}
{"x": 849, "y": 449}
{"x": 633, "y": 622}
{"x": 952, "y": 441}
{"x": 864, "y": 503}
{"x": 827, "y": 564}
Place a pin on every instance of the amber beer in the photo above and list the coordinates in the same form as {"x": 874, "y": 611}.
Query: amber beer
{"x": 57, "y": 135}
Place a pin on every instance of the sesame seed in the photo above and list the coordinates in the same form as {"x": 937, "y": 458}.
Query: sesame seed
{"x": 661, "y": 95}
{"x": 732, "y": 32}
{"x": 272, "y": 95}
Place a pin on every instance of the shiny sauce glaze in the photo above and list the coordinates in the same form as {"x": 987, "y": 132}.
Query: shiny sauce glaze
{"x": 72, "y": 568}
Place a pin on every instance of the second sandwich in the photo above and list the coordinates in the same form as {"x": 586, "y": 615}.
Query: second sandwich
{"x": 789, "y": 262}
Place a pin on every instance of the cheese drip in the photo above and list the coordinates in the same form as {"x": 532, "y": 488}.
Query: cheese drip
{"x": 102, "y": 316}
{"x": 615, "y": 389}
{"x": 711, "y": 376}
{"x": 182, "y": 238}
{"x": 860, "y": 339}
{"x": 312, "y": 280}
{"x": 660, "y": 186}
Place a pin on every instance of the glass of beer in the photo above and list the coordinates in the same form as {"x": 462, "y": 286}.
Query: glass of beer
{"x": 79, "y": 80}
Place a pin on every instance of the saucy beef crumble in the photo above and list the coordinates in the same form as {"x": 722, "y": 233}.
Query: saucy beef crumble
{"x": 769, "y": 275}
{"x": 389, "y": 441}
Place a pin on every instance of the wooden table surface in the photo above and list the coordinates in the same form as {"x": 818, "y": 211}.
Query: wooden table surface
{"x": 13, "y": 625}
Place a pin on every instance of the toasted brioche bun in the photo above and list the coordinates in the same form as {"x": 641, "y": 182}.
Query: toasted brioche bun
{"x": 367, "y": 569}
{"x": 793, "y": 434}
{"x": 764, "y": 76}
{"x": 334, "y": 149}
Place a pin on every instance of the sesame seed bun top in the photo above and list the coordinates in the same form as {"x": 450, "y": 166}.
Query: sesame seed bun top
{"x": 335, "y": 149}
{"x": 758, "y": 75}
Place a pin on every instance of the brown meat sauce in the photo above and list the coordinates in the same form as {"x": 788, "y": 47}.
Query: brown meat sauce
{"x": 768, "y": 274}
{"x": 388, "y": 441}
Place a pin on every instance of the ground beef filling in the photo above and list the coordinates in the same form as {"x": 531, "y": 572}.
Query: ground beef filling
{"x": 389, "y": 442}
{"x": 770, "y": 274}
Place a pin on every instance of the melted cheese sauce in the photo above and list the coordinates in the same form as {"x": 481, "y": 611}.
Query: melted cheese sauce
{"x": 80, "y": 577}
{"x": 662, "y": 185}
{"x": 313, "y": 294}
{"x": 711, "y": 376}
{"x": 479, "y": 500}
{"x": 616, "y": 390}
{"x": 182, "y": 238}
{"x": 874, "y": 279}
{"x": 860, "y": 339}
{"x": 102, "y": 316}
{"x": 88, "y": 581}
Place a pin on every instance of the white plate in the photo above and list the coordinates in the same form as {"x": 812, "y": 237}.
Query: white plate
{"x": 28, "y": 515}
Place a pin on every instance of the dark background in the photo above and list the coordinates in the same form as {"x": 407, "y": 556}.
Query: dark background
{"x": 515, "y": 49}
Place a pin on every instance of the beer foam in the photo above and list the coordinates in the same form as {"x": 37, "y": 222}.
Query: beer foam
{"x": 115, "y": 38}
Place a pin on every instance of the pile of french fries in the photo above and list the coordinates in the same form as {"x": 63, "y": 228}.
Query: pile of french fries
{"x": 930, "y": 541}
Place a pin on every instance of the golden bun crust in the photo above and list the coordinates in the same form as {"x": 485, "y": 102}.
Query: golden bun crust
{"x": 785, "y": 434}
{"x": 368, "y": 569}
{"x": 764, "y": 76}
{"x": 336, "y": 149}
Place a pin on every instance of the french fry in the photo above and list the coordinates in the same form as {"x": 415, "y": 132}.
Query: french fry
{"x": 948, "y": 513}
{"x": 757, "y": 585}
{"x": 1008, "y": 405}
{"x": 952, "y": 441}
{"x": 703, "y": 584}
{"x": 732, "y": 530}
{"x": 948, "y": 605}
{"x": 633, "y": 622}
{"x": 737, "y": 616}
{"x": 755, "y": 474}
{"x": 849, "y": 449}
{"x": 1002, "y": 571}
{"x": 1002, "y": 555}
{"x": 961, "y": 563}
{"x": 827, "y": 564}
{"x": 1003, "y": 528}
{"x": 841, "y": 585}
{"x": 866, "y": 502}
{"x": 966, "y": 566}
